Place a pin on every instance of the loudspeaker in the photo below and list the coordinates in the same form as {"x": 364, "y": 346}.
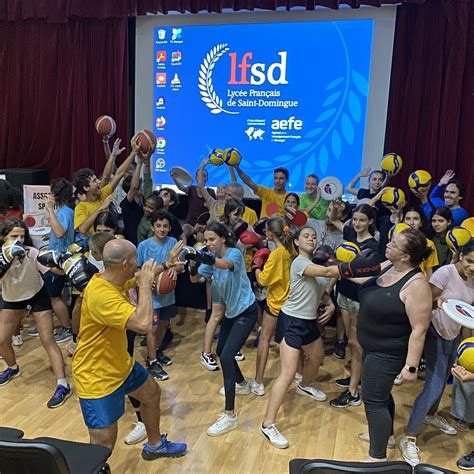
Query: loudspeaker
{"x": 20, "y": 176}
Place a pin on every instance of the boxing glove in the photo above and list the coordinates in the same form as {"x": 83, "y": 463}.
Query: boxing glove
{"x": 75, "y": 248}
{"x": 260, "y": 258}
{"x": 10, "y": 249}
{"x": 202, "y": 256}
{"x": 49, "y": 258}
{"x": 193, "y": 267}
{"x": 238, "y": 228}
{"x": 365, "y": 264}
{"x": 251, "y": 238}
{"x": 75, "y": 266}
{"x": 324, "y": 256}
{"x": 182, "y": 256}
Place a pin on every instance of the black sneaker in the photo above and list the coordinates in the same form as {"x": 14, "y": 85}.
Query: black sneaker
{"x": 345, "y": 382}
{"x": 61, "y": 394}
{"x": 9, "y": 374}
{"x": 156, "y": 371}
{"x": 163, "y": 359}
{"x": 340, "y": 349}
{"x": 467, "y": 462}
{"x": 346, "y": 399}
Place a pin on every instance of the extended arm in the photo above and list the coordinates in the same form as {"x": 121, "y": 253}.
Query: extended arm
{"x": 351, "y": 186}
{"x": 122, "y": 169}
{"x": 246, "y": 179}
{"x": 135, "y": 183}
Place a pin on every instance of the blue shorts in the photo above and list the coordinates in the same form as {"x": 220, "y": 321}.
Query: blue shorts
{"x": 163, "y": 314}
{"x": 54, "y": 283}
{"x": 105, "y": 411}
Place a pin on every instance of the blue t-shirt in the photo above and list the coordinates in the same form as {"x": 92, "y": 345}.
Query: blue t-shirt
{"x": 232, "y": 285}
{"x": 459, "y": 214}
{"x": 158, "y": 251}
{"x": 65, "y": 216}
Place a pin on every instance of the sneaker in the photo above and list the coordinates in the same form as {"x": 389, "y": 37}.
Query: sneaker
{"x": 440, "y": 423}
{"x": 466, "y": 463}
{"x": 156, "y": 371}
{"x": 33, "y": 331}
{"x": 298, "y": 378}
{"x": 71, "y": 347}
{"x": 208, "y": 361}
{"x": 422, "y": 365}
{"x": 239, "y": 389}
{"x": 409, "y": 450}
{"x": 340, "y": 349}
{"x": 61, "y": 394}
{"x": 166, "y": 449}
{"x": 163, "y": 359}
{"x": 257, "y": 388}
{"x": 398, "y": 380}
{"x": 273, "y": 436}
{"x": 17, "y": 340}
{"x": 345, "y": 382}
{"x": 224, "y": 424}
{"x": 137, "y": 434}
{"x": 9, "y": 374}
{"x": 311, "y": 392}
{"x": 366, "y": 439}
{"x": 346, "y": 399}
{"x": 239, "y": 356}
{"x": 63, "y": 335}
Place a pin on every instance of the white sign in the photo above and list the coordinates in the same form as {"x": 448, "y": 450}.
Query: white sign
{"x": 35, "y": 212}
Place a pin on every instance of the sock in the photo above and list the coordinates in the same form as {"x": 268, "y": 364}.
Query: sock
{"x": 63, "y": 382}
{"x": 150, "y": 361}
{"x": 14, "y": 367}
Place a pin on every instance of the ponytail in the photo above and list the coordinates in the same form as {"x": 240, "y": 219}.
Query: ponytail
{"x": 276, "y": 225}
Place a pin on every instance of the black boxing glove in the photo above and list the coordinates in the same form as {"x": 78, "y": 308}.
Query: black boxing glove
{"x": 324, "y": 256}
{"x": 10, "y": 249}
{"x": 366, "y": 264}
{"x": 75, "y": 268}
{"x": 202, "y": 256}
{"x": 50, "y": 258}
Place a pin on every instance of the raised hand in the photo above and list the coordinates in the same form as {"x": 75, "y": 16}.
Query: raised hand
{"x": 135, "y": 143}
{"x": 448, "y": 176}
{"x": 174, "y": 252}
{"x": 365, "y": 172}
{"x": 107, "y": 201}
{"x": 146, "y": 276}
{"x": 49, "y": 202}
{"x": 116, "y": 150}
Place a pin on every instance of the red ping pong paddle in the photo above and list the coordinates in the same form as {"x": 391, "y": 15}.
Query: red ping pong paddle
{"x": 299, "y": 218}
{"x": 272, "y": 208}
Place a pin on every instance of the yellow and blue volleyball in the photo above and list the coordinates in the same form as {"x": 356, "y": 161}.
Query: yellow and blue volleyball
{"x": 216, "y": 157}
{"x": 396, "y": 229}
{"x": 347, "y": 251}
{"x": 419, "y": 179}
{"x": 232, "y": 156}
{"x": 469, "y": 225}
{"x": 457, "y": 237}
{"x": 466, "y": 354}
{"x": 392, "y": 163}
{"x": 393, "y": 197}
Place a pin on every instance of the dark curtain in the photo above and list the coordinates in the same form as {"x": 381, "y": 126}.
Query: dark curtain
{"x": 431, "y": 105}
{"x": 56, "y": 80}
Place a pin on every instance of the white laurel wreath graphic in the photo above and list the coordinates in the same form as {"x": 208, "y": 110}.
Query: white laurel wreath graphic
{"x": 208, "y": 94}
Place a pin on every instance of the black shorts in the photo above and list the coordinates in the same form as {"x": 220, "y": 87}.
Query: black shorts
{"x": 54, "y": 284}
{"x": 268, "y": 311}
{"x": 163, "y": 314}
{"x": 297, "y": 332}
{"x": 38, "y": 302}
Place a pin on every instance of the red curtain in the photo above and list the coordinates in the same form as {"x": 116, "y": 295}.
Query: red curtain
{"x": 56, "y": 80}
{"x": 431, "y": 105}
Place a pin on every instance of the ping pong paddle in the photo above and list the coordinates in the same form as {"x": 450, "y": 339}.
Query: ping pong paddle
{"x": 272, "y": 208}
{"x": 203, "y": 218}
{"x": 299, "y": 218}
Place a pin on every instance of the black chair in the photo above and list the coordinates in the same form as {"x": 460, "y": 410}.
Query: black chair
{"x": 324, "y": 466}
{"x": 52, "y": 456}
{"x": 430, "y": 469}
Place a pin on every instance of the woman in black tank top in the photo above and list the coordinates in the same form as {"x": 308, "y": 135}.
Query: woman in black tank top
{"x": 394, "y": 315}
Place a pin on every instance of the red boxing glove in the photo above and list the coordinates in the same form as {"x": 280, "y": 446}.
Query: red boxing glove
{"x": 260, "y": 258}
{"x": 324, "y": 256}
{"x": 251, "y": 238}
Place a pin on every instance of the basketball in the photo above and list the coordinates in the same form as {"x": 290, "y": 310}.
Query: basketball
{"x": 396, "y": 229}
{"x": 147, "y": 141}
{"x": 105, "y": 126}
{"x": 393, "y": 197}
{"x": 392, "y": 163}
{"x": 466, "y": 354}
{"x": 457, "y": 237}
{"x": 420, "y": 179}
{"x": 347, "y": 251}
{"x": 164, "y": 284}
{"x": 469, "y": 225}
{"x": 216, "y": 157}
{"x": 232, "y": 156}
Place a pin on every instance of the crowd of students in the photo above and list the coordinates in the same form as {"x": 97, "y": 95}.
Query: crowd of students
{"x": 262, "y": 274}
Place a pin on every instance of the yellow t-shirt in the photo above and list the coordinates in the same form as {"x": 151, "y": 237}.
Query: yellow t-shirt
{"x": 85, "y": 209}
{"x": 249, "y": 216}
{"x": 276, "y": 276}
{"x": 432, "y": 260}
{"x": 268, "y": 195}
{"x": 101, "y": 362}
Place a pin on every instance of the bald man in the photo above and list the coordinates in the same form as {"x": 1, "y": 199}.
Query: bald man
{"x": 103, "y": 370}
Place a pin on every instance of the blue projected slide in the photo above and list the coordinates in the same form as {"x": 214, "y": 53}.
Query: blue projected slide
{"x": 283, "y": 94}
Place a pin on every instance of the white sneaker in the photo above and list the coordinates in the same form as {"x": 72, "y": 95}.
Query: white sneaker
{"x": 224, "y": 424}
{"x": 311, "y": 392}
{"x": 273, "y": 436}
{"x": 440, "y": 423}
{"x": 239, "y": 389}
{"x": 256, "y": 388}
{"x": 398, "y": 380}
{"x": 137, "y": 434}
{"x": 239, "y": 356}
{"x": 298, "y": 378}
{"x": 17, "y": 340}
{"x": 409, "y": 450}
{"x": 208, "y": 361}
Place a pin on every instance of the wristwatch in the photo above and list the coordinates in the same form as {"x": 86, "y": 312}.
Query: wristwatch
{"x": 412, "y": 370}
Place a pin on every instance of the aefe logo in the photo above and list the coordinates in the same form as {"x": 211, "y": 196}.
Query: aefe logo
{"x": 290, "y": 124}
{"x": 275, "y": 74}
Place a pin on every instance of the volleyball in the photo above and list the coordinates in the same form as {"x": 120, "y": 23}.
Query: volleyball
{"x": 232, "y": 156}
{"x": 216, "y": 157}
{"x": 466, "y": 354}
{"x": 419, "y": 179}
{"x": 392, "y": 163}
{"x": 393, "y": 197}
{"x": 469, "y": 225}
{"x": 457, "y": 237}
{"x": 347, "y": 251}
{"x": 396, "y": 229}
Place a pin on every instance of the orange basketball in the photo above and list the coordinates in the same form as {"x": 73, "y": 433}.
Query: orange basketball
{"x": 105, "y": 125}
{"x": 164, "y": 284}
{"x": 147, "y": 141}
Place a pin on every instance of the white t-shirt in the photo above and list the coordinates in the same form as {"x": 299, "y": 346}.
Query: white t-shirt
{"x": 305, "y": 292}
{"x": 448, "y": 280}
